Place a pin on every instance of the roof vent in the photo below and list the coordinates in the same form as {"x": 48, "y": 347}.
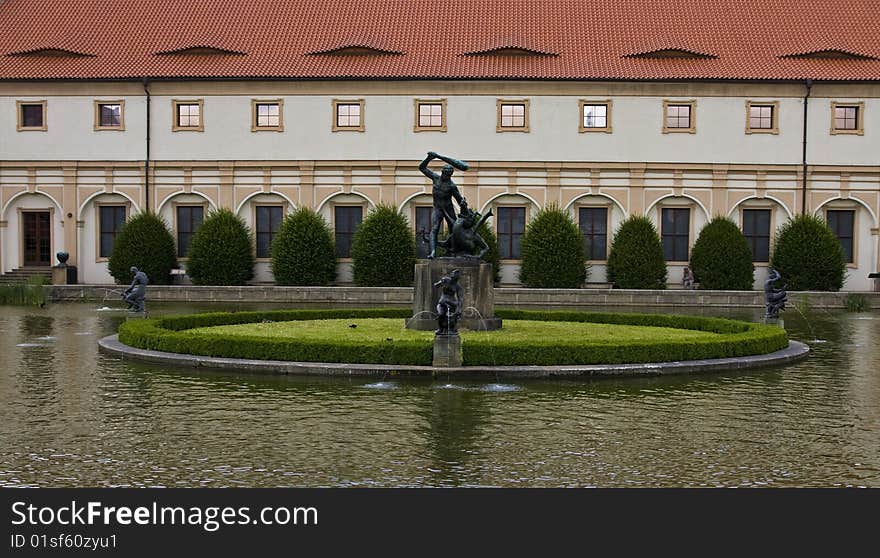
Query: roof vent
{"x": 670, "y": 52}
{"x": 200, "y": 50}
{"x": 52, "y": 52}
{"x": 829, "y": 54}
{"x": 510, "y": 46}
{"x": 355, "y": 47}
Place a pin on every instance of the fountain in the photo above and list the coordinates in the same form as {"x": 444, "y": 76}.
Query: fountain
{"x": 474, "y": 275}
{"x": 537, "y": 344}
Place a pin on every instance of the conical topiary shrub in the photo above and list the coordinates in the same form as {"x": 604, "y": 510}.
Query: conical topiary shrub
{"x": 552, "y": 251}
{"x": 221, "y": 252}
{"x": 808, "y": 255}
{"x": 303, "y": 251}
{"x": 383, "y": 250}
{"x": 721, "y": 258}
{"x": 144, "y": 242}
{"x": 636, "y": 257}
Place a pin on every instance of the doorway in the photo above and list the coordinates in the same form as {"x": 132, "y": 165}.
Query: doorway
{"x": 37, "y": 238}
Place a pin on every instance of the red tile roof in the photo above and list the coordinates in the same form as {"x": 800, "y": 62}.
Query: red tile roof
{"x": 587, "y": 39}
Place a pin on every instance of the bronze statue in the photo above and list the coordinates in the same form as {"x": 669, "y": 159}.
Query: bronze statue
{"x": 449, "y": 305}
{"x": 443, "y": 191}
{"x": 463, "y": 240}
{"x": 774, "y": 298}
{"x": 135, "y": 294}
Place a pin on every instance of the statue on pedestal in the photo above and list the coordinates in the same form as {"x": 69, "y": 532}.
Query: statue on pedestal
{"x": 136, "y": 293}
{"x": 774, "y": 299}
{"x": 443, "y": 191}
{"x": 449, "y": 305}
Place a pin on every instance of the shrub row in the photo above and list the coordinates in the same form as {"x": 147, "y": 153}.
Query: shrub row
{"x": 171, "y": 334}
{"x": 697, "y": 323}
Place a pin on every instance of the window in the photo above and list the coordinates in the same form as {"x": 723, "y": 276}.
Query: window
{"x": 761, "y": 118}
{"x": 188, "y": 116}
{"x": 109, "y": 115}
{"x": 31, "y": 116}
{"x": 430, "y": 115}
{"x": 511, "y": 225}
{"x": 111, "y": 218}
{"x": 189, "y": 219}
{"x": 847, "y": 118}
{"x": 266, "y": 116}
{"x": 268, "y": 219}
{"x": 424, "y": 222}
{"x": 678, "y": 116}
{"x": 346, "y": 220}
{"x": 675, "y": 227}
{"x": 842, "y": 222}
{"x": 593, "y": 222}
{"x": 595, "y": 116}
{"x": 513, "y": 116}
{"x": 348, "y": 115}
{"x": 756, "y": 229}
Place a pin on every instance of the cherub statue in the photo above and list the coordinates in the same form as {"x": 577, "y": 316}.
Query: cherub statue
{"x": 449, "y": 305}
{"x": 774, "y": 298}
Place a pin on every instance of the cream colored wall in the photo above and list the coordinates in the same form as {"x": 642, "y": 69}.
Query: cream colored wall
{"x": 70, "y": 133}
{"x": 866, "y": 244}
{"x": 308, "y": 164}
{"x": 11, "y": 242}
{"x": 636, "y": 115}
{"x": 824, "y": 148}
{"x": 553, "y": 135}
{"x": 90, "y": 269}
{"x": 626, "y": 188}
{"x": 246, "y": 210}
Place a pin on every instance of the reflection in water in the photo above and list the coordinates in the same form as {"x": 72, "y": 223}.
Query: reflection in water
{"x": 70, "y": 416}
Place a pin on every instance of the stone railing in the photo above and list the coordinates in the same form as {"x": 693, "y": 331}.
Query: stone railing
{"x": 504, "y": 297}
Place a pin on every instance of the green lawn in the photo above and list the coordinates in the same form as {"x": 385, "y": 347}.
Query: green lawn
{"x": 514, "y": 332}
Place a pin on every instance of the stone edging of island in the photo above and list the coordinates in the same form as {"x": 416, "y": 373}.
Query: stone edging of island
{"x": 795, "y": 351}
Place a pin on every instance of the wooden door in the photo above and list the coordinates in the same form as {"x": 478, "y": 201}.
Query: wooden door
{"x": 37, "y": 235}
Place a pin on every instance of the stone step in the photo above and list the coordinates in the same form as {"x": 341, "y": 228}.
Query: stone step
{"x": 22, "y": 274}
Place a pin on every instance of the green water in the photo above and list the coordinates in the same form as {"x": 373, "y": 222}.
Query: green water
{"x": 70, "y": 416}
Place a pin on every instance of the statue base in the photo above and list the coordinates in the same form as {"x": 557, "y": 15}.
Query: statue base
{"x": 774, "y": 320}
{"x": 447, "y": 350}
{"x": 478, "y": 307}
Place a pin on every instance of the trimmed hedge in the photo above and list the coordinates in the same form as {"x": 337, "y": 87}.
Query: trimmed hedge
{"x": 721, "y": 258}
{"x": 383, "y": 250}
{"x": 171, "y": 334}
{"x": 221, "y": 252}
{"x": 808, "y": 255}
{"x": 145, "y": 242}
{"x": 303, "y": 251}
{"x": 735, "y": 339}
{"x": 553, "y": 251}
{"x": 636, "y": 258}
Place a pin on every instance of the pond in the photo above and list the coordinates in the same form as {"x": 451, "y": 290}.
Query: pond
{"x": 70, "y": 416}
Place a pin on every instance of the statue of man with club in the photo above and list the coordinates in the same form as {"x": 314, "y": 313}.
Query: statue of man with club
{"x": 443, "y": 190}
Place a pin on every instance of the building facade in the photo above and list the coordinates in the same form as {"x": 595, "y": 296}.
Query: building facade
{"x": 82, "y": 148}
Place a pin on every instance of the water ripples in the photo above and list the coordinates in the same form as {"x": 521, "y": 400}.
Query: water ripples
{"x": 73, "y": 417}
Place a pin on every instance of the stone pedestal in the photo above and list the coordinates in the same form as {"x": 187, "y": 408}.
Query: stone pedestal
{"x": 478, "y": 308}
{"x": 447, "y": 350}
{"x": 64, "y": 274}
